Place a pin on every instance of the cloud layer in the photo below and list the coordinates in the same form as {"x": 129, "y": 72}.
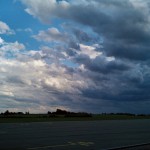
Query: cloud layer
{"x": 95, "y": 58}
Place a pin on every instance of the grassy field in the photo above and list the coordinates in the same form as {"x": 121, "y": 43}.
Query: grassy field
{"x": 47, "y": 118}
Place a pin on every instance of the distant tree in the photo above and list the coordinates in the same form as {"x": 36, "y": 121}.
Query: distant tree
{"x": 20, "y": 113}
{"x": 61, "y": 112}
{"x": 27, "y": 113}
{"x": 6, "y": 112}
{"x": 49, "y": 113}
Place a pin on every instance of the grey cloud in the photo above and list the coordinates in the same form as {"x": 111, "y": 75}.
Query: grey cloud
{"x": 82, "y": 59}
{"x": 120, "y": 23}
{"x": 74, "y": 45}
{"x": 102, "y": 65}
{"x": 133, "y": 87}
{"x": 15, "y": 79}
{"x": 51, "y": 35}
{"x": 126, "y": 50}
{"x": 82, "y": 36}
{"x": 125, "y": 31}
{"x": 127, "y": 27}
{"x": 71, "y": 52}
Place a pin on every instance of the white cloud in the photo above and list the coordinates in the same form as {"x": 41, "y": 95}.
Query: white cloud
{"x": 4, "y": 28}
{"x": 44, "y": 10}
{"x": 64, "y": 4}
{"x": 10, "y": 48}
{"x": 16, "y": 46}
{"x": 51, "y": 35}
{"x": 28, "y": 30}
{"x": 89, "y": 51}
{"x": 1, "y": 41}
{"x": 37, "y": 82}
{"x": 25, "y": 30}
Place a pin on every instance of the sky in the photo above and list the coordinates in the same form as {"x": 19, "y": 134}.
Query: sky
{"x": 78, "y": 55}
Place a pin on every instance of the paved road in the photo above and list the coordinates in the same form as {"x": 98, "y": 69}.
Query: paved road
{"x": 73, "y": 135}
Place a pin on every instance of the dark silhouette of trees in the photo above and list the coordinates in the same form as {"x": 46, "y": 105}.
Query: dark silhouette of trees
{"x": 6, "y": 112}
{"x": 64, "y": 113}
{"x": 61, "y": 112}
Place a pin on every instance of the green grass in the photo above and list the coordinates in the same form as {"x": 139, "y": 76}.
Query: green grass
{"x": 45, "y": 118}
{"x": 20, "y": 120}
{"x": 118, "y": 117}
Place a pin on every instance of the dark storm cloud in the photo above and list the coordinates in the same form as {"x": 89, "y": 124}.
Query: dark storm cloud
{"x": 100, "y": 64}
{"x": 133, "y": 87}
{"x": 124, "y": 28}
{"x": 126, "y": 50}
{"x": 130, "y": 95}
{"x": 124, "y": 23}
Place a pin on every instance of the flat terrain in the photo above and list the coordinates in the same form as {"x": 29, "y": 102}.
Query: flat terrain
{"x": 74, "y": 135}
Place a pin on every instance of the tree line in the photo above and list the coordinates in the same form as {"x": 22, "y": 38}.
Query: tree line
{"x": 57, "y": 113}
{"x": 62, "y": 113}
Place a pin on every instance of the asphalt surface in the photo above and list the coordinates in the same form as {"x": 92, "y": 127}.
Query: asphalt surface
{"x": 73, "y": 135}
